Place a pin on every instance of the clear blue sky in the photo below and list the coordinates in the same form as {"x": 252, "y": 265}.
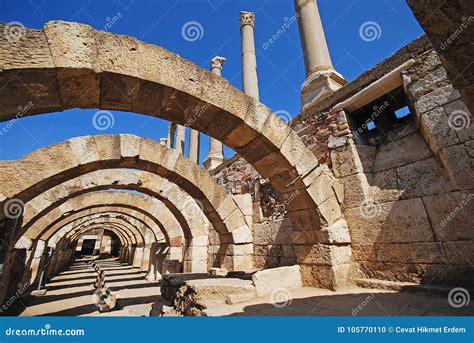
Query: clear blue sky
{"x": 280, "y": 66}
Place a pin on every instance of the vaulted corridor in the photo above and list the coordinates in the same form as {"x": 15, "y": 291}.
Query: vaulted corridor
{"x": 71, "y": 292}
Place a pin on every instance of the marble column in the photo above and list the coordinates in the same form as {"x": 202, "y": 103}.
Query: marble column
{"x": 180, "y": 138}
{"x": 321, "y": 77}
{"x": 194, "y": 141}
{"x": 249, "y": 60}
{"x": 171, "y": 133}
{"x": 216, "y": 154}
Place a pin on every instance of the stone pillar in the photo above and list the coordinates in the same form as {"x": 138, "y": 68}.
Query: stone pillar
{"x": 216, "y": 154}
{"x": 194, "y": 145}
{"x": 180, "y": 138}
{"x": 171, "y": 133}
{"x": 249, "y": 60}
{"x": 321, "y": 77}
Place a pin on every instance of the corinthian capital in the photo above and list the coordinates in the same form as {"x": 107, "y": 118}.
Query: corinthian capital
{"x": 217, "y": 62}
{"x": 247, "y": 18}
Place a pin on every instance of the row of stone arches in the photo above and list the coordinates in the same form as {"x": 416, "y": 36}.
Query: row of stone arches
{"x": 74, "y": 66}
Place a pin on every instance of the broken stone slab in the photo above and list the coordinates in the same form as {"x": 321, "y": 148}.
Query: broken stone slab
{"x": 191, "y": 294}
{"x": 163, "y": 308}
{"x": 218, "y": 271}
{"x": 268, "y": 280}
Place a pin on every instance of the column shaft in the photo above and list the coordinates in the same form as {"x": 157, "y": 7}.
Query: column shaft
{"x": 313, "y": 41}
{"x": 249, "y": 60}
{"x": 216, "y": 154}
{"x": 180, "y": 138}
{"x": 194, "y": 146}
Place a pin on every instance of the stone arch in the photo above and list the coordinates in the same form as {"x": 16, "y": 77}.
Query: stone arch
{"x": 113, "y": 213}
{"x": 72, "y": 65}
{"x": 99, "y": 212}
{"x": 178, "y": 203}
{"x": 63, "y": 161}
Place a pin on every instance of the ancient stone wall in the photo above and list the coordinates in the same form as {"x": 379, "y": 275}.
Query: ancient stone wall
{"x": 271, "y": 227}
{"x": 406, "y": 198}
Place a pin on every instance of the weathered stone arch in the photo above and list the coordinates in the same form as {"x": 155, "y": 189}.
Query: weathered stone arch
{"x": 178, "y": 203}
{"x": 100, "y": 211}
{"x": 136, "y": 235}
{"x": 86, "y": 203}
{"x": 136, "y": 205}
{"x": 72, "y": 65}
{"x": 61, "y": 162}
{"x": 110, "y": 212}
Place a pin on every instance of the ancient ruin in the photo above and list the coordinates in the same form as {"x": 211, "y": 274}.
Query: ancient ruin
{"x": 368, "y": 190}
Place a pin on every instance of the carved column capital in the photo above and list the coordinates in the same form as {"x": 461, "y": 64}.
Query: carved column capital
{"x": 217, "y": 62}
{"x": 247, "y": 18}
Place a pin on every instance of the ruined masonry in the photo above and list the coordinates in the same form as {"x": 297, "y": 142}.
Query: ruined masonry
{"x": 369, "y": 187}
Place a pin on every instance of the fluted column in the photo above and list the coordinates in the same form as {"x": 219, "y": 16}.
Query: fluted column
{"x": 320, "y": 74}
{"x": 194, "y": 145}
{"x": 249, "y": 60}
{"x": 216, "y": 154}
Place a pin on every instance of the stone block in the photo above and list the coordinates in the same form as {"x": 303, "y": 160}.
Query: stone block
{"x": 407, "y": 150}
{"x": 242, "y": 234}
{"x": 423, "y": 178}
{"x": 352, "y": 159}
{"x": 269, "y": 280}
{"x": 450, "y": 215}
{"x": 439, "y": 97}
{"x": 458, "y": 160}
{"x": 323, "y": 254}
{"x": 337, "y": 233}
{"x": 401, "y": 221}
{"x": 461, "y": 120}
{"x": 434, "y": 127}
